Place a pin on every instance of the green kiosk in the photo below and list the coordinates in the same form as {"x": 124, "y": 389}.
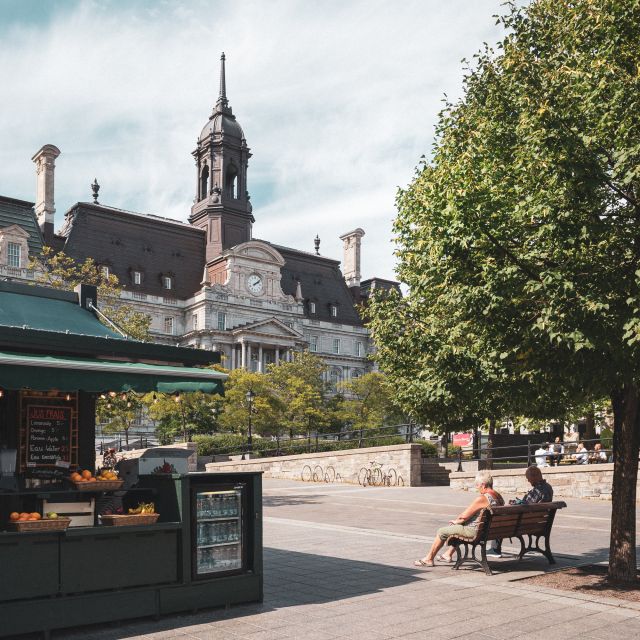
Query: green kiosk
{"x": 205, "y": 547}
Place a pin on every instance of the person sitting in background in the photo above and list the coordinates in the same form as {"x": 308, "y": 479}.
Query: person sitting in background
{"x": 541, "y": 454}
{"x": 598, "y": 454}
{"x": 541, "y": 491}
{"x": 465, "y": 524}
{"x": 582, "y": 455}
{"x": 556, "y": 449}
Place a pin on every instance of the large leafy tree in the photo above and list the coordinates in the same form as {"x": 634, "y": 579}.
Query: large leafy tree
{"x": 299, "y": 388}
{"x": 60, "y": 271}
{"x": 521, "y": 236}
{"x": 184, "y": 414}
{"x": 119, "y": 412}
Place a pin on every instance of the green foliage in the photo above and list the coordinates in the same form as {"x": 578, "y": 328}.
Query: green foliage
{"x": 225, "y": 443}
{"x": 59, "y": 271}
{"x": 368, "y": 402}
{"x": 183, "y": 415}
{"x": 519, "y": 238}
{"x": 118, "y": 412}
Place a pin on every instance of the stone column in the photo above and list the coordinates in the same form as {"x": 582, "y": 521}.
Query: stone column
{"x": 244, "y": 355}
{"x": 233, "y": 357}
{"x": 260, "y": 357}
{"x": 277, "y": 350}
{"x": 249, "y": 365}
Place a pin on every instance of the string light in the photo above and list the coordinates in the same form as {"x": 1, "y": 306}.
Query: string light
{"x": 1, "y": 393}
{"x": 177, "y": 397}
{"x": 68, "y": 397}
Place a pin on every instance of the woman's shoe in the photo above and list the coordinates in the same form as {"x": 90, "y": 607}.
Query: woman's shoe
{"x": 422, "y": 563}
{"x": 443, "y": 558}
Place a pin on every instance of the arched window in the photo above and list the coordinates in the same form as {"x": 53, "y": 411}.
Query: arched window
{"x": 204, "y": 182}
{"x": 231, "y": 181}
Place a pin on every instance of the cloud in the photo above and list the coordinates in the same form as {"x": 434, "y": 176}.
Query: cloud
{"x": 338, "y": 100}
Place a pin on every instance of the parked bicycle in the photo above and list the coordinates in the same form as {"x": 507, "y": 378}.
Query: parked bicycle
{"x": 375, "y": 476}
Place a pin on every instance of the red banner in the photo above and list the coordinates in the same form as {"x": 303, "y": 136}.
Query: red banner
{"x": 462, "y": 439}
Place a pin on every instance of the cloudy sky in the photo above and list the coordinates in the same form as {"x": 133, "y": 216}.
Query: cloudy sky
{"x": 337, "y": 99}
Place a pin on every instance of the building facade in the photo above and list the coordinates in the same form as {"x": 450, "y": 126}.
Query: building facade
{"x": 209, "y": 283}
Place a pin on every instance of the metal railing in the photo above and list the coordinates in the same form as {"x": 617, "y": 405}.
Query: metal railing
{"x": 320, "y": 441}
{"x": 532, "y": 453}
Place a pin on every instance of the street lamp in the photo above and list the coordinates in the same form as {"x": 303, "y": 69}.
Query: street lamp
{"x": 249, "y": 396}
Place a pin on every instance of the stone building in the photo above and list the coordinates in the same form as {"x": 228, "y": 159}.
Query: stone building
{"x": 209, "y": 283}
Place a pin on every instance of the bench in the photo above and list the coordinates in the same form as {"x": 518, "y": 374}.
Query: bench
{"x": 514, "y": 521}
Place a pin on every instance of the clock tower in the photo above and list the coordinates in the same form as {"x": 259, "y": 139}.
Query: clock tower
{"x": 222, "y": 205}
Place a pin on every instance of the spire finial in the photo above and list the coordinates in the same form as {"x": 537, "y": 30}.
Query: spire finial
{"x": 222, "y": 96}
{"x": 316, "y": 244}
{"x": 95, "y": 187}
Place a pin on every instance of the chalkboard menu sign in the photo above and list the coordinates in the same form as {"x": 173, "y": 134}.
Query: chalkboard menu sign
{"x": 48, "y": 436}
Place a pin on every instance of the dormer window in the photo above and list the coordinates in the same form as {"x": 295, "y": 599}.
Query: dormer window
{"x": 312, "y": 307}
{"x": 14, "y": 255}
{"x": 137, "y": 277}
{"x": 333, "y": 310}
{"x": 167, "y": 282}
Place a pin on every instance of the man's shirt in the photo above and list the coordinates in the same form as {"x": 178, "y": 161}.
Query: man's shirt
{"x": 540, "y": 492}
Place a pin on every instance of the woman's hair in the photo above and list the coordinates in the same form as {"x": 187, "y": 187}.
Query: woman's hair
{"x": 485, "y": 478}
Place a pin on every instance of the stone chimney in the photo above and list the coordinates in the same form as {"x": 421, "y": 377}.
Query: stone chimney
{"x": 45, "y": 161}
{"x": 351, "y": 259}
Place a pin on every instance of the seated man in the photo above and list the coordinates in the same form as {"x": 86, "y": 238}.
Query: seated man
{"x": 598, "y": 454}
{"x": 557, "y": 449}
{"x": 582, "y": 455}
{"x": 541, "y": 491}
{"x": 541, "y": 454}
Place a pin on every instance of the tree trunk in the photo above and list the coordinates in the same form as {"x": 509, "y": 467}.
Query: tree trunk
{"x": 590, "y": 426}
{"x": 492, "y": 433}
{"x": 622, "y": 547}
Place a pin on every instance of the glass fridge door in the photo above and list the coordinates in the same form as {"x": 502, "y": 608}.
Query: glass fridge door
{"x": 218, "y": 531}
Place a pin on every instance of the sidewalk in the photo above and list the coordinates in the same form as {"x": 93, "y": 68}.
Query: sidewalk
{"x": 325, "y": 580}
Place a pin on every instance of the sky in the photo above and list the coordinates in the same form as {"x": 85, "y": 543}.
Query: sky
{"x": 338, "y": 101}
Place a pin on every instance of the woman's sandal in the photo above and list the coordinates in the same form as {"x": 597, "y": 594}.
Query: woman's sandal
{"x": 422, "y": 563}
{"x": 443, "y": 558}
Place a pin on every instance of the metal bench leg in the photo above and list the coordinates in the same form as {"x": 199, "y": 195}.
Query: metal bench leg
{"x": 523, "y": 548}
{"x": 547, "y": 551}
{"x": 459, "y": 558}
{"x": 483, "y": 561}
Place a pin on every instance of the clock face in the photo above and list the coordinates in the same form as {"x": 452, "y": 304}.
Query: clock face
{"x": 254, "y": 283}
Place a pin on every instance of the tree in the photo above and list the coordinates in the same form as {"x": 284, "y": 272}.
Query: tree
{"x": 59, "y": 271}
{"x": 263, "y": 407}
{"x": 524, "y": 227}
{"x": 184, "y": 414}
{"x": 299, "y": 388}
{"x": 119, "y": 412}
{"x": 369, "y": 401}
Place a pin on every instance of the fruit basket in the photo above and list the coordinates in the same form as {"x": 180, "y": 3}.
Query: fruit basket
{"x": 46, "y": 524}
{"x": 99, "y": 485}
{"x": 129, "y": 519}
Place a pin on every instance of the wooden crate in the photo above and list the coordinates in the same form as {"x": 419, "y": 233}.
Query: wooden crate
{"x": 81, "y": 513}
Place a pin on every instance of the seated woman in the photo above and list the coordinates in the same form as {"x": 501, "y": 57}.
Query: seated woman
{"x": 465, "y": 523}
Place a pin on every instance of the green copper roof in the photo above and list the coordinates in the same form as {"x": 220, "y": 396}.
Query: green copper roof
{"x": 50, "y": 314}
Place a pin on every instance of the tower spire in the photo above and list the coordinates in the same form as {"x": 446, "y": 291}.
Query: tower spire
{"x": 222, "y": 103}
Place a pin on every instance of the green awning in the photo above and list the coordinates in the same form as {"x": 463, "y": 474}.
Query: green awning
{"x": 41, "y": 373}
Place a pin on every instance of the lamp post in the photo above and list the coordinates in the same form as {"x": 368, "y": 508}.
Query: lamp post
{"x": 249, "y": 396}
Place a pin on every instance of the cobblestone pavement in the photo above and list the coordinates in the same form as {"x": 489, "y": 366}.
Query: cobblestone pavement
{"x": 338, "y": 564}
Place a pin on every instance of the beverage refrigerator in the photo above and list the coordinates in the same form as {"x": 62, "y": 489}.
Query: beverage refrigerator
{"x": 219, "y": 530}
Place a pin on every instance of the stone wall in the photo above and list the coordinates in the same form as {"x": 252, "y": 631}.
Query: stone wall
{"x": 334, "y": 466}
{"x": 577, "y": 481}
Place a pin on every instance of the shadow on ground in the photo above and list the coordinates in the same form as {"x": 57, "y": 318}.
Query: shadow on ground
{"x": 290, "y": 500}
{"x": 292, "y": 579}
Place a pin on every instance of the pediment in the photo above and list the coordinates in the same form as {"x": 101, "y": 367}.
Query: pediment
{"x": 269, "y": 327}
{"x": 259, "y": 251}
{"x": 14, "y": 231}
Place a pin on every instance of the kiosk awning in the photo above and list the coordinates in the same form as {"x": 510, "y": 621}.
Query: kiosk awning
{"x": 41, "y": 373}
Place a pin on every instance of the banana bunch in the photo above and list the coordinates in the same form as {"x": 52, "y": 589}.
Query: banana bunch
{"x": 144, "y": 507}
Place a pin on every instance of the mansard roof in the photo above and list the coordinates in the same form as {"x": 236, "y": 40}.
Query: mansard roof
{"x": 21, "y": 213}
{"x": 126, "y": 241}
{"x": 321, "y": 282}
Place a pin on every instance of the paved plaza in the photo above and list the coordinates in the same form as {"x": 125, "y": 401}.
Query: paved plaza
{"x": 338, "y": 564}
